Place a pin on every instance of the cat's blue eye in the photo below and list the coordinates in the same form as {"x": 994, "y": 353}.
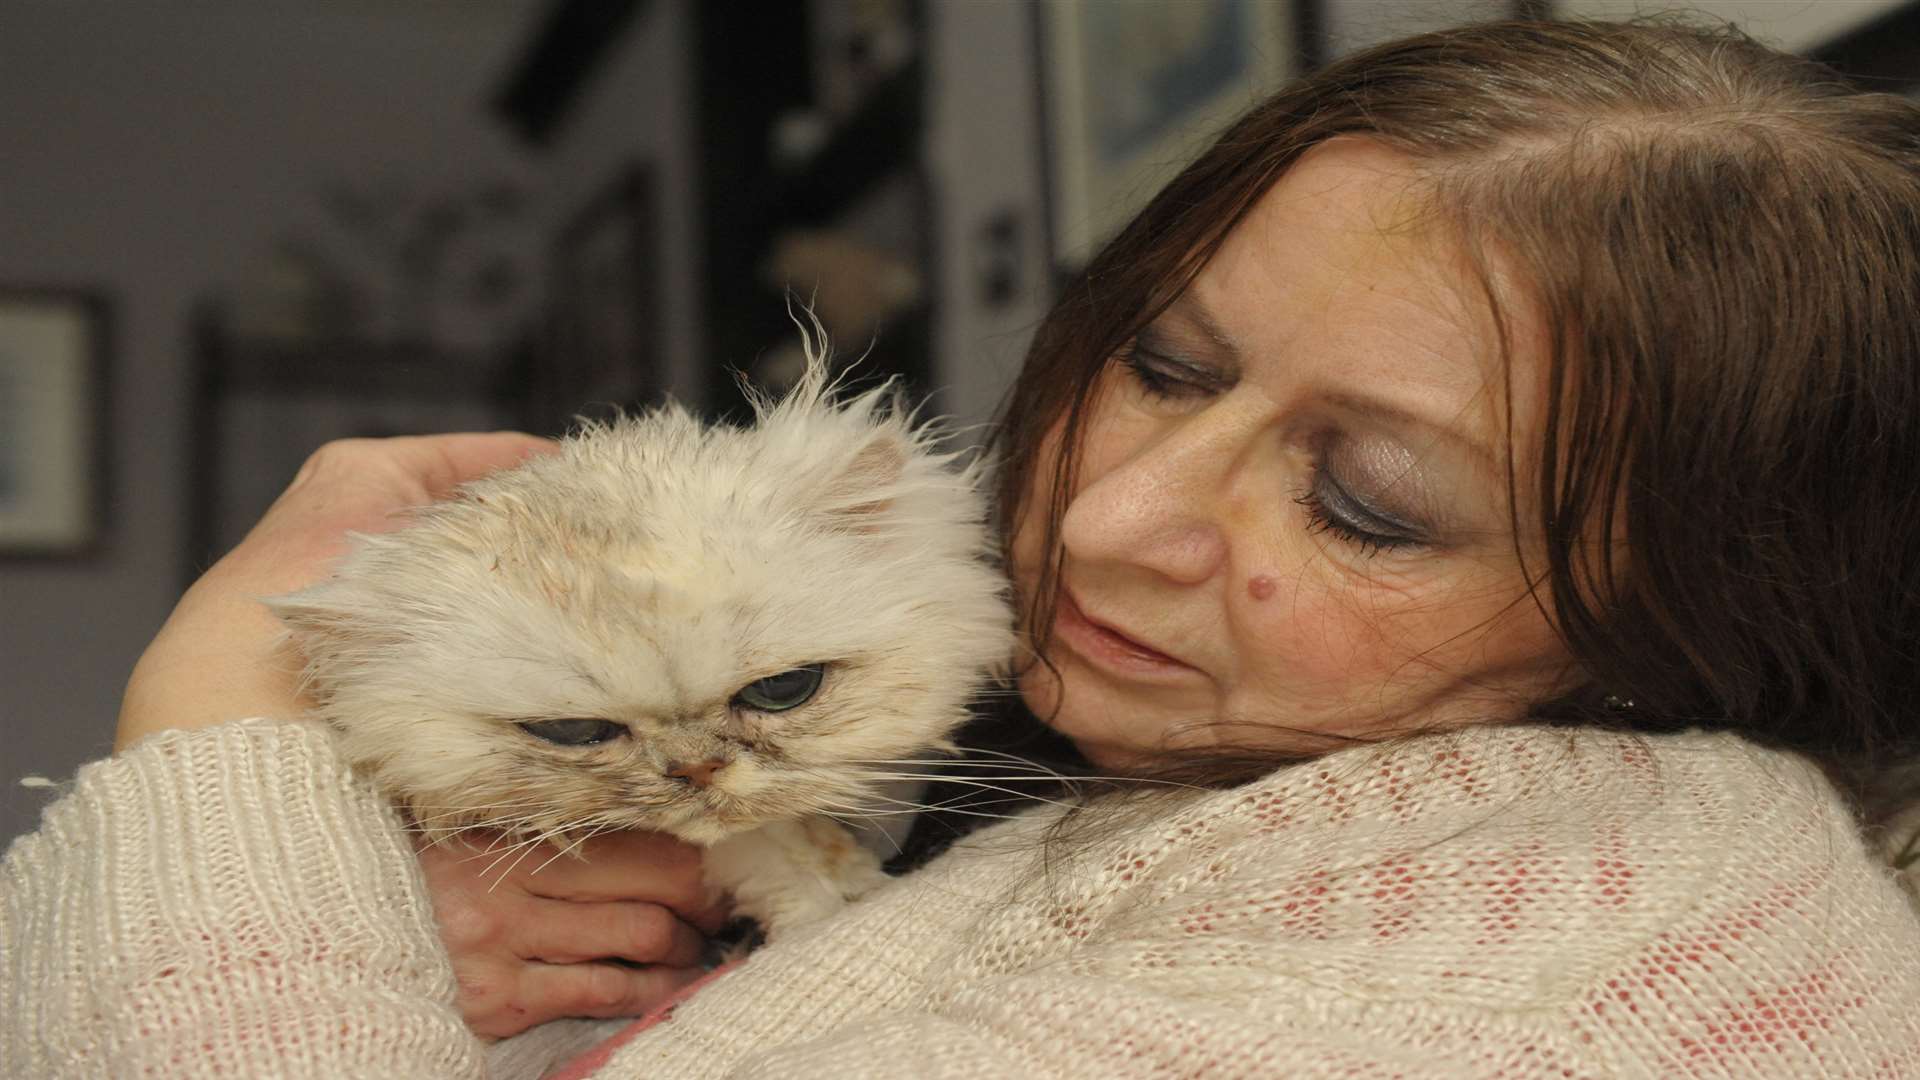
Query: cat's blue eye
{"x": 580, "y": 731}
{"x": 778, "y": 693}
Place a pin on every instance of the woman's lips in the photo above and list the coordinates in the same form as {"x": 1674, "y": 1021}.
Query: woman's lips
{"x": 1107, "y": 646}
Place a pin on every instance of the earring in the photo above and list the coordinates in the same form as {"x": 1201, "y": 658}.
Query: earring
{"x": 1616, "y": 703}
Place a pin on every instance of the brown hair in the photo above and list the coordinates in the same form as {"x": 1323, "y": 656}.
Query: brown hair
{"x": 1724, "y": 244}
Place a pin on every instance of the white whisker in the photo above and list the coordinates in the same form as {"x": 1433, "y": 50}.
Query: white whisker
{"x": 1016, "y": 792}
{"x": 865, "y": 813}
{"x": 908, "y": 806}
{"x": 524, "y": 847}
{"x": 595, "y": 831}
{"x": 1041, "y": 771}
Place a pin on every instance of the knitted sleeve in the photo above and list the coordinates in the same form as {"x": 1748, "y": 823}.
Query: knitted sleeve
{"x": 1503, "y": 902}
{"x": 1064, "y": 1026}
{"x": 226, "y": 902}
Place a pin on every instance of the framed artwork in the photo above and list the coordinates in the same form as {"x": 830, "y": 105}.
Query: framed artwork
{"x": 53, "y": 410}
{"x": 602, "y": 349}
{"x": 262, "y": 405}
{"x": 1135, "y": 88}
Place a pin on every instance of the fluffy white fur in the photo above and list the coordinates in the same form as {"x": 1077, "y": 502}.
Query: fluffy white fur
{"x": 644, "y": 575}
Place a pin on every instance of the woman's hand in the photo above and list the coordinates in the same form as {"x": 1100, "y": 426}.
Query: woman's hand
{"x": 221, "y": 655}
{"x": 537, "y": 937}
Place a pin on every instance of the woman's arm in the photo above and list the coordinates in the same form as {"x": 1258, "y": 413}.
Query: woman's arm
{"x": 235, "y": 890}
{"x": 224, "y": 902}
{"x": 221, "y": 654}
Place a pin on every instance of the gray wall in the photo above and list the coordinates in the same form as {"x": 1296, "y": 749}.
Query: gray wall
{"x": 983, "y": 157}
{"x": 151, "y": 152}
{"x": 1784, "y": 24}
{"x": 1356, "y": 24}
{"x": 639, "y": 107}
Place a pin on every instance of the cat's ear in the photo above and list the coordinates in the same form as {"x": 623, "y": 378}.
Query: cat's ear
{"x": 300, "y": 614}
{"x": 326, "y": 616}
{"x": 863, "y": 488}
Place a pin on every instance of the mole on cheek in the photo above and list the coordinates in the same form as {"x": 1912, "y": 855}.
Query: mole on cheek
{"x": 1260, "y": 587}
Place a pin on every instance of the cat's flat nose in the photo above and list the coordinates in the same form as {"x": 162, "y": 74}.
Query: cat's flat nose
{"x": 700, "y": 773}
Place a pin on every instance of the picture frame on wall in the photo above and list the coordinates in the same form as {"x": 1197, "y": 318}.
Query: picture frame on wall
{"x": 53, "y": 405}
{"x": 262, "y": 406}
{"x": 603, "y": 342}
{"x": 1134, "y": 89}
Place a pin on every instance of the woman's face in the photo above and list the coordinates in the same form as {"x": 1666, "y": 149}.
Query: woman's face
{"x": 1291, "y": 511}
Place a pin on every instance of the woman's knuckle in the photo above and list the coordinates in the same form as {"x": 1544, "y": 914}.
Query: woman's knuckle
{"x": 649, "y": 932}
{"x": 605, "y": 986}
{"x": 480, "y": 988}
{"x": 332, "y": 455}
{"x": 338, "y": 449}
{"x": 464, "y": 924}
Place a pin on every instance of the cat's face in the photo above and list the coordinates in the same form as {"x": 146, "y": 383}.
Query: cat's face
{"x": 665, "y": 626}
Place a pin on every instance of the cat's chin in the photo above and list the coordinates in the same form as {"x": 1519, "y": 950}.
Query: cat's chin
{"x": 706, "y": 819}
{"x": 706, "y": 831}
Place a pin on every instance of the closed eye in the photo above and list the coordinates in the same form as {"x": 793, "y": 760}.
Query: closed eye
{"x": 1162, "y": 375}
{"x": 574, "y": 731}
{"x": 1165, "y": 377}
{"x": 1331, "y": 509}
{"x": 778, "y": 693}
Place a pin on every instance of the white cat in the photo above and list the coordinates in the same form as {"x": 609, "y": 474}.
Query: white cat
{"x": 721, "y": 633}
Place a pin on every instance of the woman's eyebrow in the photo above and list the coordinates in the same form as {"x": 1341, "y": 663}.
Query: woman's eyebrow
{"x": 1187, "y": 307}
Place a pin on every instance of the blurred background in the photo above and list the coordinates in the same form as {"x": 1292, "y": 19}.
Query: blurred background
{"x": 231, "y": 230}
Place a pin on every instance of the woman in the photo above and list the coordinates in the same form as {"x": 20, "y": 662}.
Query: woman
{"x": 1491, "y": 456}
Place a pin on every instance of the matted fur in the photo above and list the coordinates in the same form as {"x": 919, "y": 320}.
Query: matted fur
{"x": 645, "y": 574}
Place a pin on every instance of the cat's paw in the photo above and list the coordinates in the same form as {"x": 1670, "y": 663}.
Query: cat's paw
{"x": 793, "y": 874}
{"x": 735, "y": 940}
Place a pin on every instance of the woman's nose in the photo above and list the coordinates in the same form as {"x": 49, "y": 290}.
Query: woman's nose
{"x": 1158, "y": 507}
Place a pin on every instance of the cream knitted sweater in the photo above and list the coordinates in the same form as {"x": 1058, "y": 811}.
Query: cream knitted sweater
{"x": 1500, "y": 903}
